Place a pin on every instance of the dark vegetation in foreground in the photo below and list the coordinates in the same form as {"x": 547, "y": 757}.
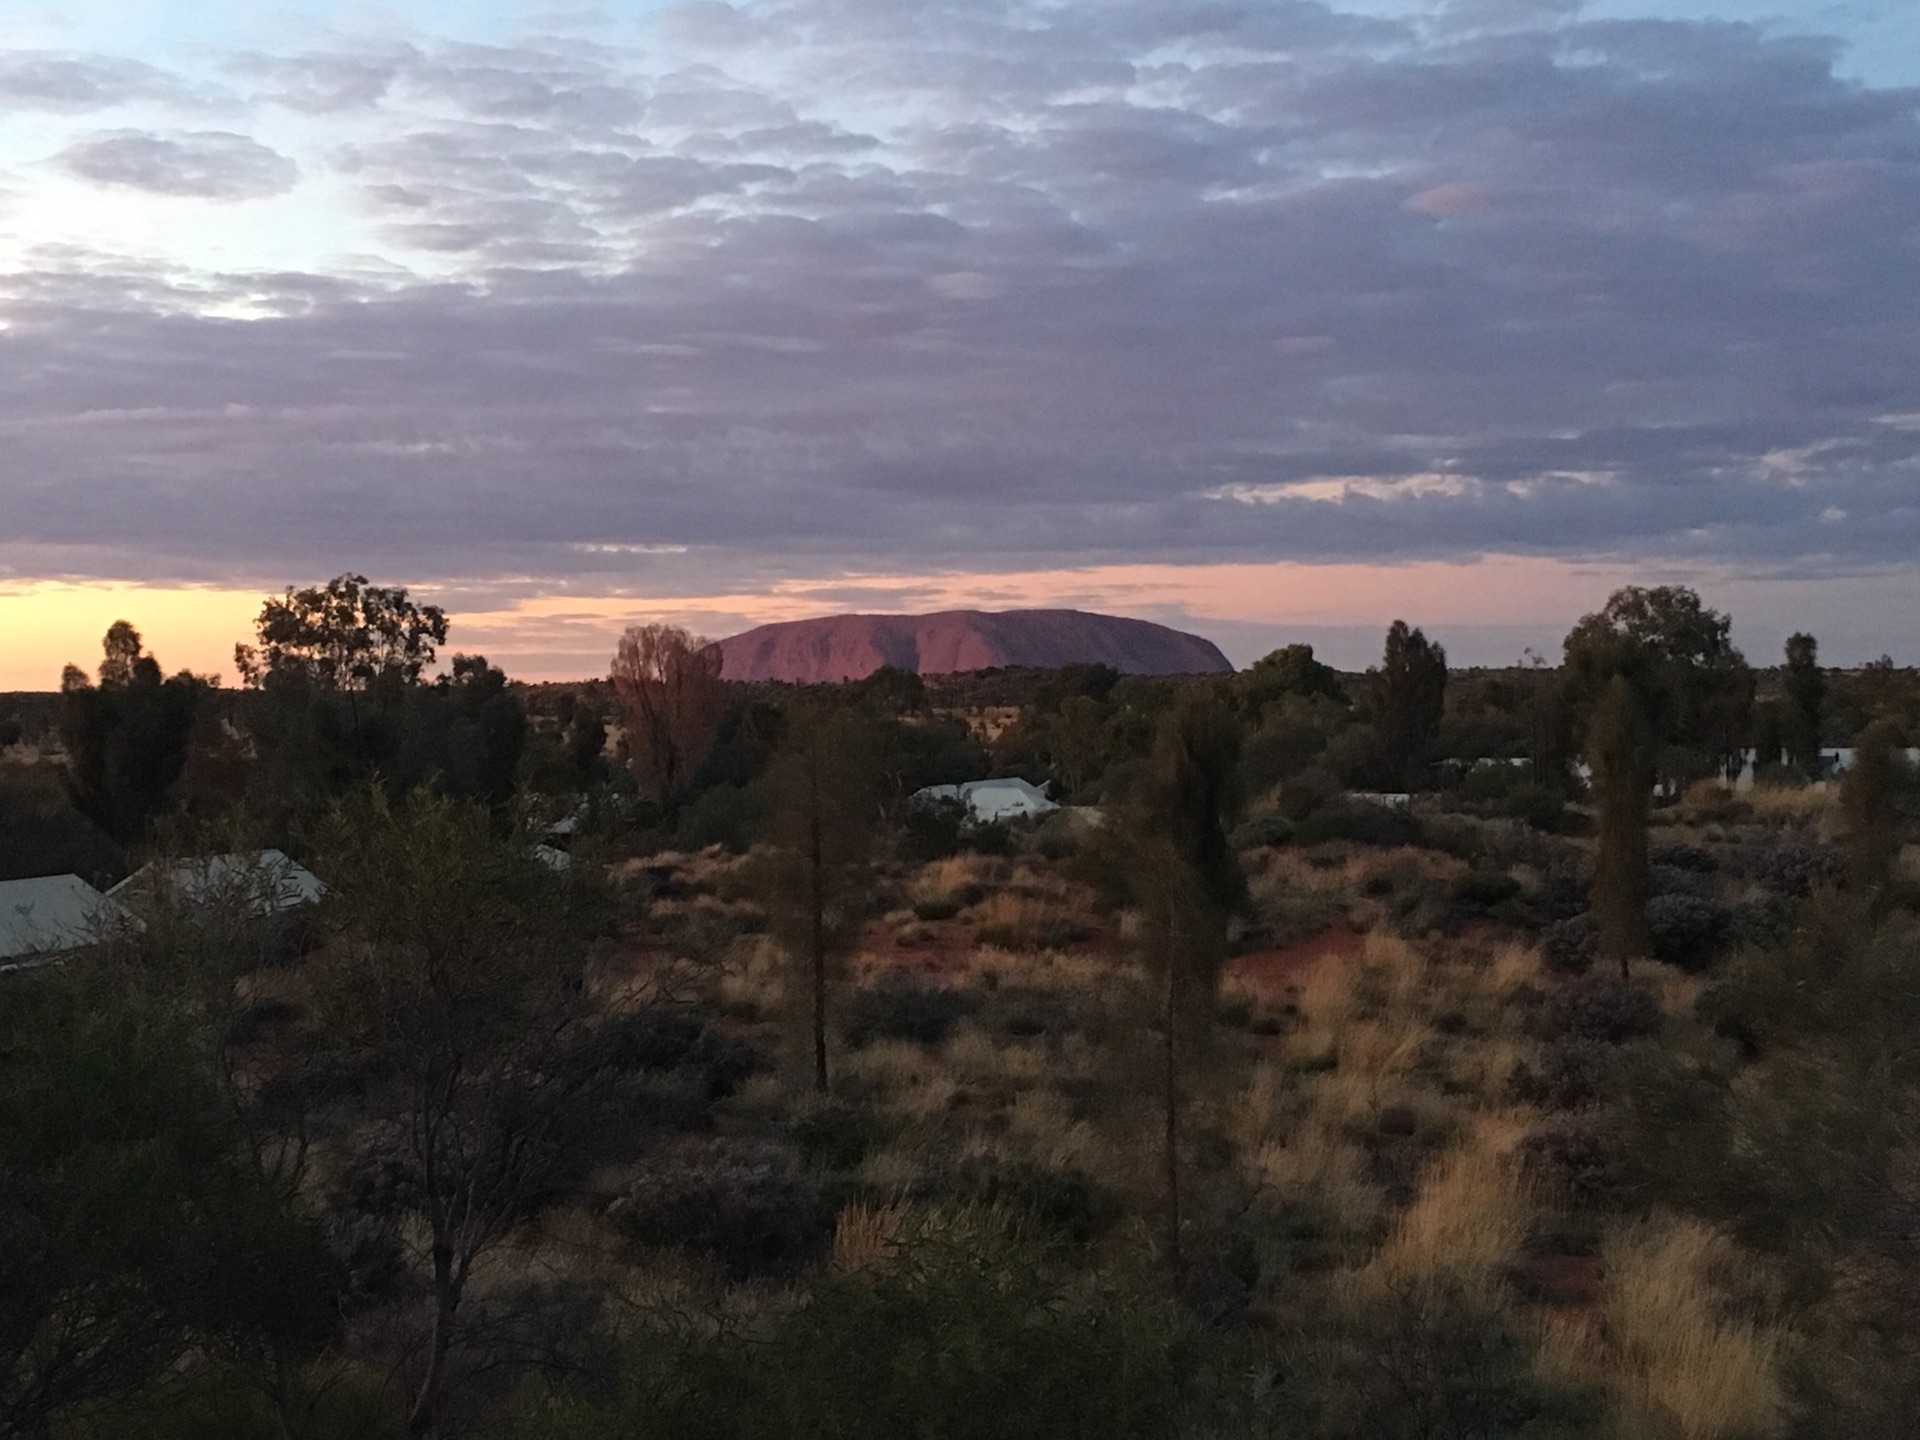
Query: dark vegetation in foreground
{"x": 655, "y": 1065}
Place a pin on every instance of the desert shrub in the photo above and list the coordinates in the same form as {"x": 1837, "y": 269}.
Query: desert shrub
{"x": 1538, "y": 807}
{"x": 1426, "y": 1358}
{"x": 1305, "y": 793}
{"x": 664, "y": 1039}
{"x": 1358, "y": 822}
{"x": 1568, "y": 947}
{"x": 1672, "y": 880}
{"x": 1398, "y": 1143}
{"x": 1576, "y": 1157}
{"x": 1764, "y": 923}
{"x": 1263, "y": 831}
{"x": 835, "y": 1136}
{"x": 1791, "y": 861}
{"x": 930, "y": 830}
{"x": 740, "y": 1205}
{"x": 1681, "y": 856}
{"x": 898, "y": 1008}
{"x": 1597, "y": 1007}
{"x": 728, "y": 815}
{"x": 1024, "y": 1014}
{"x": 967, "y": 1332}
{"x": 1567, "y": 1074}
{"x": 1482, "y": 890}
{"x": 942, "y": 907}
{"x": 1070, "y": 1204}
{"x": 1686, "y": 931}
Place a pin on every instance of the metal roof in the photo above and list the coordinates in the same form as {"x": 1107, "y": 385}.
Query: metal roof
{"x": 52, "y": 914}
{"x": 264, "y": 882}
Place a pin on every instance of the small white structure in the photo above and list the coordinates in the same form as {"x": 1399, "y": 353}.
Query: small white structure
{"x": 259, "y": 882}
{"x": 988, "y": 801}
{"x": 47, "y": 917}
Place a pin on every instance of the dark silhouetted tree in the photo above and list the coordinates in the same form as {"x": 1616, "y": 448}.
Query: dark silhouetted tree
{"x": 1806, "y": 692}
{"x": 1186, "y": 883}
{"x": 457, "y": 991}
{"x": 1411, "y": 701}
{"x": 344, "y": 635}
{"x": 821, "y": 830}
{"x": 126, "y": 738}
{"x": 1870, "y": 801}
{"x": 1290, "y": 670}
{"x": 1620, "y": 756}
{"x": 671, "y": 700}
{"x": 1678, "y": 655}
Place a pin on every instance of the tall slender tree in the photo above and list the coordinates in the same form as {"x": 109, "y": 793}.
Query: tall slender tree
{"x": 1620, "y": 756}
{"x": 1186, "y": 884}
{"x": 1869, "y": 804}
{"x": 1412, "y": 699}
{"x": 671, "y": 698}
{"x": 824, "y": 815}
{"x": 1806, "y": 692}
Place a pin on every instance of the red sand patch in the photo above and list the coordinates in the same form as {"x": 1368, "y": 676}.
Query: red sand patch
{"x": 1271, "y": 972}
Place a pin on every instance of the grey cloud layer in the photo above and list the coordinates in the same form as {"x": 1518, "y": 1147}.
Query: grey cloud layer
{"x": 206, "y": 164}
{"x": 909, "y": 284}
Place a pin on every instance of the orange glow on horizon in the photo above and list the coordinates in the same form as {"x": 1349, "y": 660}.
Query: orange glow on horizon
{"x": 561, "y": 635}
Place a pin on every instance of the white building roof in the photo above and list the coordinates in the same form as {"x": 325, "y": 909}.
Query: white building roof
{"x": 990, "y": 800}
{"x": 265, "y": 882}
{"x": 54, "y": 913}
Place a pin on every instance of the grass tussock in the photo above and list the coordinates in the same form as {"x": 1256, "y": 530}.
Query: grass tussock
{"x": 1669, "y": 1346}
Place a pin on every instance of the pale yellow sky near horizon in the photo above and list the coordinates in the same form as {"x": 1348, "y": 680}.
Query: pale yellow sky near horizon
{"x": 45, "y": 625}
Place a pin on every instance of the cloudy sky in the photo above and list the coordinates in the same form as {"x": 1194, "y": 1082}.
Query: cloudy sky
{"x": 1271, "y": 318}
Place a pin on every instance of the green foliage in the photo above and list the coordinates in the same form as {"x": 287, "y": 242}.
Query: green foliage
{"x": 1409, "y": 702}
{"x": 133, "y": 1232}
{"x": 127, "y": 738}
{"x": 344, "y": 635}
{"x": 897, "y": 1008}
{"x": 742, "y": 1207}
{"x": 1289, "y": 672}
{"x": 1678, "y": 660}
{"x": 1619, "y": 752}
{"x": 1805, "y": 694}
{"x": 968, "y": 1332}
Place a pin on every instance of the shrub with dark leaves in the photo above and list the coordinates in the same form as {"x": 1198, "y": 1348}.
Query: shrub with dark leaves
{"x": 1597, "y": 1007}
{"x": 1687, "y": 931}
{"x": 1792, "y": 862}
{"x": 1577, "y": 1157}
{"x": 1567, "y": 1075}
{"x": 1482, "y": 890}
{"x": 741, "y": 1205}
{"x": 1070, "y": 1203}
{"x": 1263, "y": 831}
{"x": 1672, "y": 880}
{"x": 1568, "y": 947}
{"x": 661, "y": 1040}
{"x": 896, "y": 1008}
{"x": 1681, "y": 856}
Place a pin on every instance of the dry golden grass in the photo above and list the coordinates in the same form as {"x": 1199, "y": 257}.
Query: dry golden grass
{"x": 1319, "y": 1167}
{"x": 1789, "y": 802}
{"x": 1470, "y": 1217}
{"x": 976, "y": 1058}
{"x": 866, "y": 1235}
{"x": 1041, "y": 1127}
{"x": 755, "y": 976}
{"x": 1666, "y": 1348}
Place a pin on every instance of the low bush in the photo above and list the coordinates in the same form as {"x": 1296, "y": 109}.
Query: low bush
{"x": 943, "y": 907}
{"x": 1358, "y": 822}
{"x": 1687, "y": 931}
{"x": 897, "y": 1008}
{"x": 741, "y": 1206}
{"x": 1791, "y": 861}
{"x": 1568, "y": 1074}
{"x": 1597, "y": 1007}
{"x": 1070, "y": 1204}
{"x": 1575, "y": 1157}
{"x": 1264, "y": 831}
{"x": 1482, "y": 890}
{"x": 1568, "y": 947}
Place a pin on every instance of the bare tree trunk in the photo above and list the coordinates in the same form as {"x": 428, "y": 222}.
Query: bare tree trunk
{"x": 446, "y": 1294}
{"x": 1171, "y": 1137}
{"x": 819, "y": 920}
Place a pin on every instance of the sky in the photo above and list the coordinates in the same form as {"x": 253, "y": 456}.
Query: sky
{"x": 1271, "y": 319}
